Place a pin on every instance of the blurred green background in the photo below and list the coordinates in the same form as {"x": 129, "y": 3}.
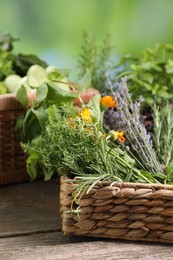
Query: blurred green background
{"x": 53, "y": 29}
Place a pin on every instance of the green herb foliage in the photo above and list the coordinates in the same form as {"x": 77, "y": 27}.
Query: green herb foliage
{"x": 163, "y": 133}
{"x": 36, "y": 116}
{"x": 64, "y": 140}
{"x": 47, "y": 94}
{"x": 76, "y": 146}
{"x": 96, "y": 58}
{"x": 149, "y": 74}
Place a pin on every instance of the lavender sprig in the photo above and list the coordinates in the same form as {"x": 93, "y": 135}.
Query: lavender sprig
{"x": 127, "y": 118}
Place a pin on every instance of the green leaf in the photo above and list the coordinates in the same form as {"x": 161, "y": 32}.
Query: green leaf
{"x": 169, "y": 67}
{"x": 148, "y": 86}
{"x": 135, "y": 67}
{"x": 31, "y": 167}
{"x": 147, "y": 77}
{"x": 94, "y": 103}
{"x": 128, "y": 176}
{"x": 84, "y": 82}
{"x": 53, "y": 114}
{"x": 6, "y": 68}
{"x": 148, "y": 176}
{"x": 41, "y": 94}
{"x": 30, "y": 122}
{"x": 168, "y": 170}
{"x": 22, "y": 62}
{"x": 157, "y": 68}
{"x": 48, "y": 173}
{"x": 129, "y": 159}
{"x": 41, "y": 115}
{"x": 21, "y": 96}
{"x": 160, "y": 175}
{"x": 163, "y": 93}
{"x": 36, "y": 142}
{"x": 56, "y": 74}
{"x": 148, "y": 65}
{"x": 57, "y": 95}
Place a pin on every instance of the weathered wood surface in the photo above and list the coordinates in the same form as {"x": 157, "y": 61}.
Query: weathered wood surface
{"x": 29, "y": 208}
{"x": 30, "y": 229}
{"x": 55, "y": 246}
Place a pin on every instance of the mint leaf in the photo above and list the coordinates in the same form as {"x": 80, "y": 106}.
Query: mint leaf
{"x": 21, "y": 96}
{"x": 84, "y": 82}
{"x": 57, "y": 95}
{"x": 41, "y": 94}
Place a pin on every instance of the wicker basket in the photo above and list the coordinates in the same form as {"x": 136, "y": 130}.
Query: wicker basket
{"x": 12, "y": 158}
{"x": 128, "y": 211}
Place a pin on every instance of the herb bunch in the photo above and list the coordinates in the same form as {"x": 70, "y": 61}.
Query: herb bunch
{"x": 80, "y": 143}
{"x": 77, "y": 145}
{"x": 127, "y": 118}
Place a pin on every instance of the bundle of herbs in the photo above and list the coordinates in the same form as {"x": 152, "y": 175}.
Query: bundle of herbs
{"x": 76, "y": 144}
{"x": 82, "y": 145}
{"x": 152, "y": 151}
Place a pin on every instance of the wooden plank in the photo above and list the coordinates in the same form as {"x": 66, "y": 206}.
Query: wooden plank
{"x": 56, "y": 246}
{"x": 29, "y": 208}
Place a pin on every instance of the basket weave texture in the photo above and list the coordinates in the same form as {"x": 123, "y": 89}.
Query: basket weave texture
{"x": 129, "y": 211}
{"x": 12, "y": 158}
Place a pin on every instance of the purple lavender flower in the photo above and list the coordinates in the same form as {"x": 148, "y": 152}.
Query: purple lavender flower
{"x": 126, "y": 117}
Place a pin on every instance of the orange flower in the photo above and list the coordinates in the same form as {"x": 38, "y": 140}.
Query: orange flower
{"x": 120, "y": 136}
{"x": 108, "y": 101}
{"x": 86, "y": 114}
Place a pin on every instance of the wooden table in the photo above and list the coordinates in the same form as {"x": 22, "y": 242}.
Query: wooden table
{"x": 30, "y": 228}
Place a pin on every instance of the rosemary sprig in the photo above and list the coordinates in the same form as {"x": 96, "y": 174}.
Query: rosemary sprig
{"x": 95, "y": 58}
{"x": 163, "y": 133}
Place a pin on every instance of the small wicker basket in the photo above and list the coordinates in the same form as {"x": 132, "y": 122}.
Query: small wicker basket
{"x": 128, "y": 211}
{"x": 12, "y": 158}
